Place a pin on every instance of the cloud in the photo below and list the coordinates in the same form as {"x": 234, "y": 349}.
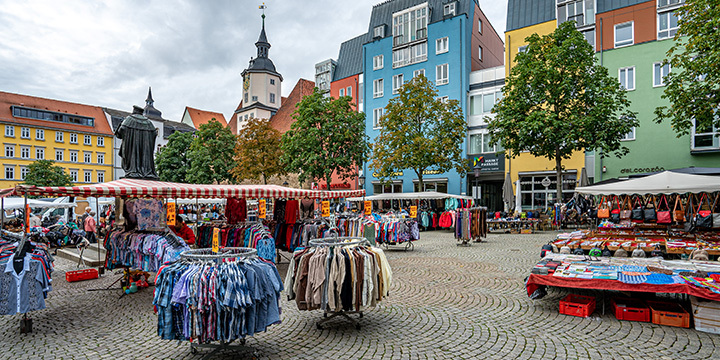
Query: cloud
{"x": 191, "y": 52}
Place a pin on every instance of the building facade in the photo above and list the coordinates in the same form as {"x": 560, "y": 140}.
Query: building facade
{"x": 75, "y": 136}
{"x": 443, "y": 40}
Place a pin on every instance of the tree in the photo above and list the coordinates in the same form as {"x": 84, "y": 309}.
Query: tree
{"x": 557, "y": 101}
{"x": 172, "y": 160}
{"x": 693, "y": 86}
{"x": 211, "y": 154}
{"x": 327, "y": 136}
{"x": 257, "y": 152}
{"x": 46, "y": 173}
{"x": 420, "y": 131}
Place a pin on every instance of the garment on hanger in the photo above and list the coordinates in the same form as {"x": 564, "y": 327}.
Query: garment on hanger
{"x": 24, "y": 289}
{"x": 142, "y": 250}
{"x": 254, "y": 235}
{"x": 147, "y": 213}
{"x": 236, "y": 210}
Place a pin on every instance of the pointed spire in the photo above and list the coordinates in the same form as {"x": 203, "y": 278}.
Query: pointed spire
{"x": 150, "y": 110}
{"x": 149, "y": 101}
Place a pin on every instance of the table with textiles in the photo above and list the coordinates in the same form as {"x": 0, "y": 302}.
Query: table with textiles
{"x": 654, "y": 275}
{"x": 513, "y": 224}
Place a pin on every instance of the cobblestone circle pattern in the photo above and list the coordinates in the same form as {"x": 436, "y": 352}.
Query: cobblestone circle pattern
{"x": 447, "y": 302}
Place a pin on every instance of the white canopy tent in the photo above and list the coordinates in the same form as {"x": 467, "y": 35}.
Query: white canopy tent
{"x": 410, "y": 196}
{"x": 11, "y": 203}
{"x": 666, "y": 182}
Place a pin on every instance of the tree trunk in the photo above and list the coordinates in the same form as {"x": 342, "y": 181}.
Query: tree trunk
{"x": 421, "y": 183}
{"x": 264, "y": 179}
{"x": 558, "y": 173}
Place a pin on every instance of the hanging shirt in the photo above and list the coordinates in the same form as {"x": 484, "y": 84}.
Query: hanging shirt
{"x": 23, "y": 292}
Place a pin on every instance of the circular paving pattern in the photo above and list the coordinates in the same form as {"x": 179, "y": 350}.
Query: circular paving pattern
{"x": 447, "y": 301}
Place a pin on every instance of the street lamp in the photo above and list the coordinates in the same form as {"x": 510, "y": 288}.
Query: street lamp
{"x": 285, "y": 183}
{"x": 361, "y": 181}
{"x": 476, "y": 172}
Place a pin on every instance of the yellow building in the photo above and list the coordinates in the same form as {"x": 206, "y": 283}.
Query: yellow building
{"x": 77, "y": 137}
{"x": 536, "y": 175}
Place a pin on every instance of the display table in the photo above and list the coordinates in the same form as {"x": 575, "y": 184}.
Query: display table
{"x": 514, "y": 225}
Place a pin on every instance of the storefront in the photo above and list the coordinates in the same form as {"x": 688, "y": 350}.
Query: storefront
{"x": 487, "y": 188}
{"x": 538, "y": 190}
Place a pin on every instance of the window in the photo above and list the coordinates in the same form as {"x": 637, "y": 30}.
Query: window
{"x": 378, "y": 88}
{"x": 87, "y": 140}
{"x": 410, "y": 55}
{"x": 431, "y": 185}
{"x": 397, "y": 83}
{"x": 410, "y": 24}
{"x": 100, "y": 158}
{"x": 9, "y": 151}
{"x": 39, "y": 134}
{"x": 624, "y": 34}
{"x": 484, "y": 103}
{"x": 73, "y": 138}
{"x": 441, "y": 74}
{"x": 479, "y": 26}
{"x": 254, "y": 98}
{"x": 626, "y": 76}
{"x": 342, "y": 92}
{"x": 101, "y": 176}
{"x": 9, "y": 131}
{"x": 379, "y": 31}
{"x": 52, "y": 116}
{"x": 272, "y": 98}
{"x": 480, "y": 53}
{"x": 664, "y": 3}
{"x": 449, "y": 9}
{"x": 87, "y": 157}
{"x": 580, "y": 11}
{"x": 23, "y": 172}
{"x": 24, "y": 152}
{"x": 667, "y": 25}
{"x": 377, "y": 115}
{"x": 88, "y": 176}
{"x": 348, "y": 91}
{"x": 488, "y": 102}
{"x": 418, "y": 72}
{"x": 272, "y": 82}
{"x": 100, "y": 141}
{"x": 246, "y": 98}
{"x": 659, "y": 73}
{"x": 629, "y": 136}
{"x": 59, "y": 154}
{"x": 73, "y": 155}
{"x": 74, "y": 175}
{"x": 394, "y": 187}
{"x": 522, "y": 49}
{"x": 705, "y": 137}
{"x": 39, "y": 153}
{"x": 534, "y": 195}
{"x": 441, "y": 45}
{"x": 59, "y": 136}
{"x": 378, "y": 62}
{"x": 9, "y": 172}
{"x": 25, "y": 133}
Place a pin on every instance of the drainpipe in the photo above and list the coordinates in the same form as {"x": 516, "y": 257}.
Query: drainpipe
{"x": 599, "y": 151}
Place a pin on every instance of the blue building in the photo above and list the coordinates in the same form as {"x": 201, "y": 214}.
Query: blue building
{"x": 445, "y": 41}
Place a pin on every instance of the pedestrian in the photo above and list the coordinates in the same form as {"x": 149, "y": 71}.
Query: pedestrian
{"x": 34, "y": 220}
{"x": 90, "y": 226}
{"x": 182, "y": 230}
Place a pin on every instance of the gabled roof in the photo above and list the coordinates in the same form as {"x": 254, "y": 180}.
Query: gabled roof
{"x": 169, "y": 126}
{"x": 200, "y": 117}
{"x": 349, "y": 61}
{"x": 523, "y": 13}
{"x": 282, "y": 120}
{"x": 7, "y": 100}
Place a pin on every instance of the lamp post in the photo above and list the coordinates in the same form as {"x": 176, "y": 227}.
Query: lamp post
{"x": 476, "y": 172}
{"x": 361, "y": 182}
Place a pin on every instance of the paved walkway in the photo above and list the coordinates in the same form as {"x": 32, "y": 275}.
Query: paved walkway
{"x": 447, "y": 302}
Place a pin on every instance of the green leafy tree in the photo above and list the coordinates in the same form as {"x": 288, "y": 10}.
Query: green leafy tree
{"x": 693, "y": 85}
{"x": 557, "y": 101}
{"x": 211, "y": 154}
{"x": 327, "y": 136}
{"x": 258, "y": 153}
{"x": 420, "y": 131}
{"x": 46, "y": 173}
{"x": 171, "y": 161}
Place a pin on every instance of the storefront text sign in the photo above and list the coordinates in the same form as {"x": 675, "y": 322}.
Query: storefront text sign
{"x": 171, "y": 214}
{"x": 325, "y": 208}
{"x": 216, "y": 240}
{"x": 262, "y": 209}
{"x": 395, "y": 174}
{"x": 368, "y": 207}
{"x": 488, "y": 162}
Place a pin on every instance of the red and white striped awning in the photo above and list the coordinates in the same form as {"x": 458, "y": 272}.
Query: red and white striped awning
{"x": 160, "y": 189}
{"x": 7, "y": 192}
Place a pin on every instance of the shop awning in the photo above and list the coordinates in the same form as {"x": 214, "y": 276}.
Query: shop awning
{"x": 7, "y": 192}
{"x": 410, "y": 196}
{"x": 666, "y": 182}
{"x": 160, "y": 189}
{"x": 11, "y": 203}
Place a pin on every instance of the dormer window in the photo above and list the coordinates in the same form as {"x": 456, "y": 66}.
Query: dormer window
{"x": 449, "y": 9}
{"x": 379, "y": 31}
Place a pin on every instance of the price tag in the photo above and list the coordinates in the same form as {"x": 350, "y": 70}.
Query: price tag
{"x": 171, "y": 214}
{"x": 216, "y": 240}
{"x": 262, "y": 209}
{"x": 325, "y": 208}
{"x": 413, "y": 212}
{"x": 368, "y": 208}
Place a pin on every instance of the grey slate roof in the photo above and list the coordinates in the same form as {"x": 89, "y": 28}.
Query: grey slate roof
{"x": 350, "y": 58}
{"x": 523, "y": 13}
{"x": 169, "y": 126}
{"x": 609, "y": 5}
{"x": 382, "y": 13}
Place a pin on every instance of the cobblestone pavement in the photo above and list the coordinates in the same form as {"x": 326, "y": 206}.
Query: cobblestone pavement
{"x": 447, "y": 302}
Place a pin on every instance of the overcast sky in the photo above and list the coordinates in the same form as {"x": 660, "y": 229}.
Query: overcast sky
{"x": 107, "y": 53}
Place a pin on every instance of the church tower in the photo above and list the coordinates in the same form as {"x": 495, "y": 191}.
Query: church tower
{"x": 262, "y": 84}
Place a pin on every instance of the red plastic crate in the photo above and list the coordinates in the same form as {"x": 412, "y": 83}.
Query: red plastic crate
{"x": 670, "y": 314}
{"x": 79, "y": 275}
{"x": 577, "y": 305}
{"x": 631, "y": 310}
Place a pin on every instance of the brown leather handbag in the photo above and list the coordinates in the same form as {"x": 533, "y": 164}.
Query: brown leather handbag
{"x": 603, "y": 209}
{"x": 678, "y": 210}
{"x": 626, "y": 209}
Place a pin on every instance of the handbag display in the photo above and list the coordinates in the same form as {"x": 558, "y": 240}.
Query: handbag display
{"x": 678, "y": 214}
{"x": 690, "y": 215}
{"x": 663, "y": 216}
{"x": 649, "y": 212}
{"x": 603, "y": 211}
{"x": 704, "y": 218}
{"x": 615, "y": 213}
{"x": 715, "y": 215}
{"x": 626, "y": 210}
{"x": 637, "y": 211}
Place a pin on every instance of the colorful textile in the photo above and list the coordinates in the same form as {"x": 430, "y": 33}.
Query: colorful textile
{"x": 659, "y": 279}
{"x": 631, "y": 279}
{"x": 149, "y": 214}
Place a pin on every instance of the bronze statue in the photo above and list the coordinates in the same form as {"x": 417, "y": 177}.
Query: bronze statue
{"x": 138, "y": 143}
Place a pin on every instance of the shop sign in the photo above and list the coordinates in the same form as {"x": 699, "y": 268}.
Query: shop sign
{"x": 431, "y": 172}
{"x": 27, "y": 218}
{"x": 340, "y": 186}
{"x": 488, "y": 162}
{"x": 413, "y": 212}
{"x": 546, "y": 182}
{"x": 262, "y": 209}
{"x": 171, "y": 214}
{"x": 325, "y": 208}
{"x": 395, "y": 174}
{"x": 368, "y": 208}
{"x": 216, "y": 240}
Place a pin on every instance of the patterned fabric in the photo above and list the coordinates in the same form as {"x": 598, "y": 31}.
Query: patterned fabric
{"x": 634, "y": 268}
{"x": 631, "y": 279}
{"x": 24, "y": 292}
{"x": 149, "y": 214}
{"x": 659, "y": 279}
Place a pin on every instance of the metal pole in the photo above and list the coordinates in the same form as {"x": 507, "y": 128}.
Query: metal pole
{"x": 197, "y": 218}
{"x": 2, "y": 216}
{"x": 25, "y": 211}
{"x": 97, "y": 240}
